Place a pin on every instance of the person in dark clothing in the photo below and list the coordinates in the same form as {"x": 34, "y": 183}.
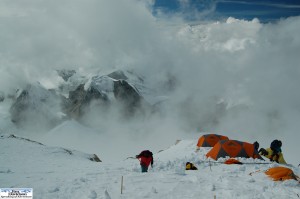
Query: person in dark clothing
{"x": 145, "y": 158}
{"x": 256, "y": 145}
{"x": 276, "y": 148}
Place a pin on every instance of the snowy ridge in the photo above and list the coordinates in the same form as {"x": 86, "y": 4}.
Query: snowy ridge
{"x": 17, "y": 149}
{"x": 103, "y": 84}
{"x": 100, "y": 83}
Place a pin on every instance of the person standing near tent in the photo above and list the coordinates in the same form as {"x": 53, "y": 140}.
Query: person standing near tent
{"x": 256, "y": 145}
{"x": 145, "y": 158}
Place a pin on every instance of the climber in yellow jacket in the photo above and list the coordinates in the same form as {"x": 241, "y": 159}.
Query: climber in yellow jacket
{"x": 274, "y": 153}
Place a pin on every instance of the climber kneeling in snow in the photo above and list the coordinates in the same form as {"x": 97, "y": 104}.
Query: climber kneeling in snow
{"x": 145, "y": 158}
{"x": 274, "y": 153}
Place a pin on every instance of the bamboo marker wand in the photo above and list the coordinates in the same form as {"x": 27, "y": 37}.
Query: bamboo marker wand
{"x": 122, "y": 185}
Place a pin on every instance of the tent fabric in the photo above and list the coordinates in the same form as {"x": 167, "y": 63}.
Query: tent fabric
{"x": 280, "y": 159}
{"x": 233, "y": 148}
{"x": 209, "y": 140}
{"x": 281, "y": 174}
{"x": 232, "y": 161}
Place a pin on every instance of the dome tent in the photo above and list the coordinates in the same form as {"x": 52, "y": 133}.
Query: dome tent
{"x": 209, "y": 140}
{"x": 233, "y": 148}
{"x": 281, "y": 174}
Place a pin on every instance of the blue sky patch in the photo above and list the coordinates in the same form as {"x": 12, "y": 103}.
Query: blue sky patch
{"x": 264, "y": 10}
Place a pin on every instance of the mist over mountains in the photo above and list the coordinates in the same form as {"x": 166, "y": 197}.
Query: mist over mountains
{"x": 232, "y": 76}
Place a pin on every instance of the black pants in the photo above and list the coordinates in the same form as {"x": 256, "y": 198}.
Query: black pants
{"x": 144, "y": 168}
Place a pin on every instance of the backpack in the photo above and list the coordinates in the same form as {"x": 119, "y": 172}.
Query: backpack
{"x": 190, "y": 166}
{"x": 146, "y": 154}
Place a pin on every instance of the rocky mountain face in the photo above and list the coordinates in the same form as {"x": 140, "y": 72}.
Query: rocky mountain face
{"x": 66, "y": 74}
{"x": 104, "y": 91}
{"x": 37, "y": 105}
{"x": 80, "y": 99}
{"x": 129, "y": 97}
{"x": 119, "y": 95}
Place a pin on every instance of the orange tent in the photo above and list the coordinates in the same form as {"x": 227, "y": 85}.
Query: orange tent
{"x": 233, "y": 148}
{"x": 209, "y": 140}
{"x": 281, "y": 173}
{"x": 232, "y": 161}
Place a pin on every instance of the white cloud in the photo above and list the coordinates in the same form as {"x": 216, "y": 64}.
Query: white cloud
{"x": 235, "y": 60}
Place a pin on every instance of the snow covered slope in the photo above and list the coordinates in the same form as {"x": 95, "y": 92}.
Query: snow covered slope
{"x": 54, "y": 173}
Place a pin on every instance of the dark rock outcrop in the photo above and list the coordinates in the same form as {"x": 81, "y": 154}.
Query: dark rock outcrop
{"x": 2, "y": 96}
{"x": 118, "y": 75}
{"x": 80, "y": 99}
{"x": 66, "y": 74}
{"x": 95, "y": 158}
{"x": 128, "y": 97}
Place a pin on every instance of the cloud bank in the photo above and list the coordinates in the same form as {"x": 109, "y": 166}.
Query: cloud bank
{"x": 253, "y": 67}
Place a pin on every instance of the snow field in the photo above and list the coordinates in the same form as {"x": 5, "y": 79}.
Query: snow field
{"x": 53, "y": 172}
